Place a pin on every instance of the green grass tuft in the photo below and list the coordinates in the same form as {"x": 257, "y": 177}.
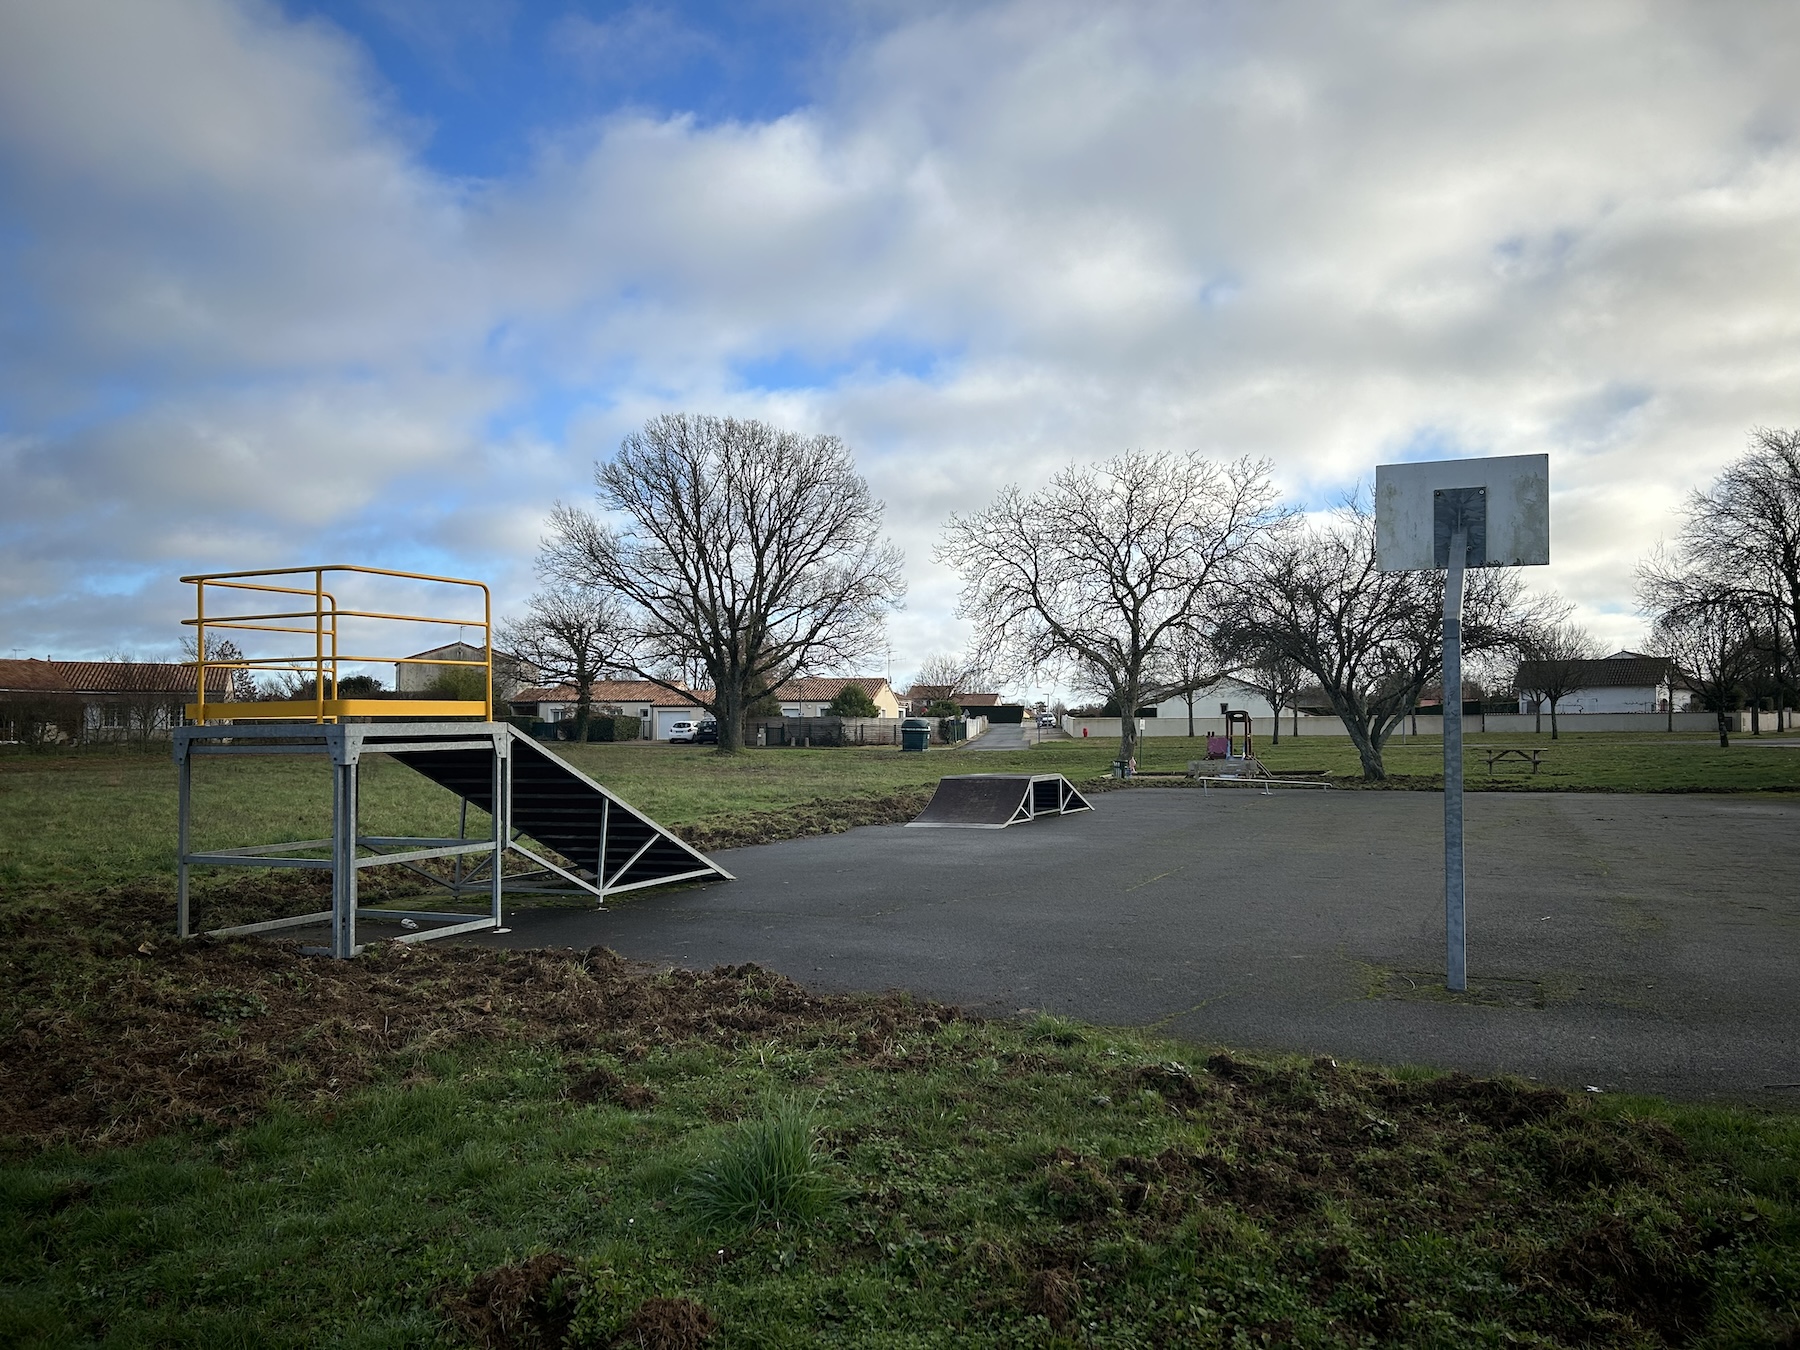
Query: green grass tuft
{"x": 764, "y": 1171}
{"x": 1056, "y": 1030}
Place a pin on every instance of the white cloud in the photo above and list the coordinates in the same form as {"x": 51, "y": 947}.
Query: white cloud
{"x": 1009, "y": 236}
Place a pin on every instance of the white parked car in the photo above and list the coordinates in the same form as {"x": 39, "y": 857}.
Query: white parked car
{"x": 682, "y": 733}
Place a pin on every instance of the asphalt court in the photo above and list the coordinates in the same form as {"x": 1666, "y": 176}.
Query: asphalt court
{"x": 1628, "y": 943}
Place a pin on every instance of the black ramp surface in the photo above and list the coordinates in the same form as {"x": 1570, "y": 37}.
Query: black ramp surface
{"x": 976, "y": 800}
{"x": 561, "y": 808}
{"x": 1630, "y": 943}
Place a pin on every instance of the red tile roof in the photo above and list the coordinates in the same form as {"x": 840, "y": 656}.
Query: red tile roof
{"x": 822, "y": 688}
{"x": 607, "y": 691}
{"x": 110, "y": 677}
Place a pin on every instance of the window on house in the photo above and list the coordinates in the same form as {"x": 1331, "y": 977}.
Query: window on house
{"x": 112, "y": 716}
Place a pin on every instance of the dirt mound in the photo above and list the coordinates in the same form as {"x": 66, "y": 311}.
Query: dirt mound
{"x": 823, "y": 815}
{"x": 527, "y": 1306}
{"x": 667, "y": 1324}
{"x": 110, "y": 1030}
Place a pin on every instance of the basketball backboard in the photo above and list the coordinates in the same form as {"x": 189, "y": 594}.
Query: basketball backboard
{"x": 1502, "y": 502}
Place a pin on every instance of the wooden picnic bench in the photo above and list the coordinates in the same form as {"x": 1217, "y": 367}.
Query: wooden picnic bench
{"x": 1532, "y": 756}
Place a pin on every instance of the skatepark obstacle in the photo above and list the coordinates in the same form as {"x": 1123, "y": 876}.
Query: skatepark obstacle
{"x": 574, "y": 836}
{"x": 1234, "y": 769}
{"x": 992, "y": 801}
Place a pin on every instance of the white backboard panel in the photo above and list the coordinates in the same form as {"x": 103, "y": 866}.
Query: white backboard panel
{"x": 1410, "y": 501}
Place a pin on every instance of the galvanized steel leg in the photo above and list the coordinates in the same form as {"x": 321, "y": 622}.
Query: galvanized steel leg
{"x": 502, "y": 816}
{"x": 1455, "y": 945}
{"x": 184, "y": 779}
{"x": 343, "y": 860}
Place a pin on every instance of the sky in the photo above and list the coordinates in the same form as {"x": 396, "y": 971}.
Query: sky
{"x": 379, "y": 281}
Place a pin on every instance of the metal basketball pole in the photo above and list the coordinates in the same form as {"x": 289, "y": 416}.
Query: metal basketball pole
{"x": 1456, "y": 974}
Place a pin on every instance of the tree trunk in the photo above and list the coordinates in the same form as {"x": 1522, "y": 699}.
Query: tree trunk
{"x": 728, "y": 712}
{"x": 1190, "y": 703}
{"x": 1724, "y": 728}
{"x": 1128, "y": 737}
{"x": 1756, "y": 717}
{"x": 1357, "y": 724}
{"x": 1537, "y": 706}
{"x": 1275, "y": 735}
{"x": 1367, "y": 751}
{"x": 1553, "y": 703}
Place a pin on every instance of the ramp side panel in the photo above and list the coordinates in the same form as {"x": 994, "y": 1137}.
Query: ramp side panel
{"x": 975, "y": 803}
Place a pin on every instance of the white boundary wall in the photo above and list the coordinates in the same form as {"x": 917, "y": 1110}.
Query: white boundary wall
{"x": 1107, "y": 728}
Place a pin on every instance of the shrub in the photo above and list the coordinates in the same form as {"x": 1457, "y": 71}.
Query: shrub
{"x": 765, "y": 1170}
{"x": 459, "y": 682}
{"x": 853, "y": 701}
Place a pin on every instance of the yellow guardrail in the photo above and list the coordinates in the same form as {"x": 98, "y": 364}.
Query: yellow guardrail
{"x": 320, "y": 621}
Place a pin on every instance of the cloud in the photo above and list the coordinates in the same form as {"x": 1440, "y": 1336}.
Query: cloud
{"x": 999, "y": 238}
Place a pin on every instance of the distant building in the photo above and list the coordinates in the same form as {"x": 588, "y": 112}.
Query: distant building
{"x": 810, "y": 695}
{"x": 1216, "y": 698}
{"x": 921, "y": 696}
{"x": 51, "y": 701}
{"x": 655, "y": 708}
{"x": 1624, "y": 682}
{"x": 417, "y": 673}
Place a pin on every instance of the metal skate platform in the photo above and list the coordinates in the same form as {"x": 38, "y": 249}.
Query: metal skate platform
{"x": 583, "y": 839}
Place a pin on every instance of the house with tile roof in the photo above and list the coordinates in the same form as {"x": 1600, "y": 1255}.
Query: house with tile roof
{"x": 1626, "y": 681}
{"x": 811, "y": 695}
{"x": 655, "y": 708}
{"x": 81, "y": 701}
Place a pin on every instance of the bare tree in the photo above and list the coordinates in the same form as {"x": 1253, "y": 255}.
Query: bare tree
{"x": 1194, "y": 665}
{"x": 1373, "y": 640}
{"x": 570, "y": 633}
{"x": 951, "y": 675}
{"x": 1553, "y": 655}
{"x": 1744, "y": 531}
{"x": 1277, "y": 677}
{"x": 741, "y": 549}
{"x": 1704, "y": 622}
{"x": 1103, "y": 571}
{"x": 1708, "y": 636}
{"x": 222, "y": 651}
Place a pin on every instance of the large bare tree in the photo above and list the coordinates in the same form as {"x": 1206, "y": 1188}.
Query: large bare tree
{"x": 1553, "y": 659}
{"x": 571, "y": 634}
{"x": 1744, "y": 532}
{"x": 737, "y": 548}
{"x": 1101, "y": 572}
{"x": 1705, "y": 622}
{"x": 1373, "y": 640}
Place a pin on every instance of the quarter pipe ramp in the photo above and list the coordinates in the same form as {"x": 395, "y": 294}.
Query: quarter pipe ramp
{"x": 992, "y": 801}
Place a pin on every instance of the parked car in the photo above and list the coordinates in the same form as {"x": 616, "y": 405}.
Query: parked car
{"x": 707, "y": 733}
{"x": 1046, "y": 719}
{"x": 682, "y": 733}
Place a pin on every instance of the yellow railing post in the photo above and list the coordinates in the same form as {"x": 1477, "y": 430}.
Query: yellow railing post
{"x": 319, "y": 640}
{"x": 200, "y": 650}
{"x": 487, "y": 644}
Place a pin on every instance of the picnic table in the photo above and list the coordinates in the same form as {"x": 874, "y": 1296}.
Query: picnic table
{"x": 1532, "y": 756}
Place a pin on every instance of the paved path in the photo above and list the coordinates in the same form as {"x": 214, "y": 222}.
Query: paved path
{"x": 1660, "y": 934}
{"x": 1001, "y": 738}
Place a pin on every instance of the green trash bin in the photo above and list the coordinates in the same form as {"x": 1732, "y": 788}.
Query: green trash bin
{"x": 915, "y": 734}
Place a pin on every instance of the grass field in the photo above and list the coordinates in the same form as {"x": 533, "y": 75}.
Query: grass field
{"x": 105, "y": 817}
{"x": 518, "y": 1149}
{"x": 231, "y": 1144}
